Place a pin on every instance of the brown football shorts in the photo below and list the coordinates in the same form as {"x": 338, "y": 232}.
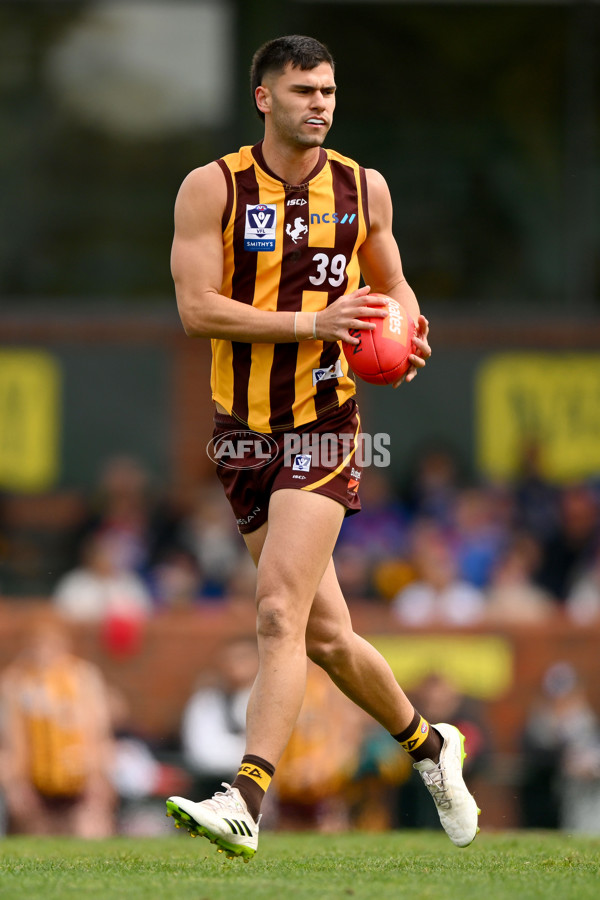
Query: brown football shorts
{"x": 319, "y": 456}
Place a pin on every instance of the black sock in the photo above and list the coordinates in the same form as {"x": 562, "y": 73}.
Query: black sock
{"x": 420, "y": 739}
{"x": 252, "y": 781}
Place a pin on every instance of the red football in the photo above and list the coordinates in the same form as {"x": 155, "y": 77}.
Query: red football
{"x": 381, "y": 357}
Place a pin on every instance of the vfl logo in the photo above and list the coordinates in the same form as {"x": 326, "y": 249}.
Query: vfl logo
{"x": 325, "y": 374}
{"x": 302, "y": 462}
{"x": 298, "y": 230}
{"x": 261, "y": 225}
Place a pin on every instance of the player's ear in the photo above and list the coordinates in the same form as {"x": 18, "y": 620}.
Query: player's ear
{"x": 262, "y": 95}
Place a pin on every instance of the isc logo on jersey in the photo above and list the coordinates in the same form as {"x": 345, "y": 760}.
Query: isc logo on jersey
{"x": 261, "y": 226}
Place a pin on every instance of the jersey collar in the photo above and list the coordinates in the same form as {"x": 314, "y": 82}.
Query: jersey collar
{"x": 259, "y": 158}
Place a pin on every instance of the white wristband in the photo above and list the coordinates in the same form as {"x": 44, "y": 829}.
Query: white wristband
{"x": 314, "y": 328}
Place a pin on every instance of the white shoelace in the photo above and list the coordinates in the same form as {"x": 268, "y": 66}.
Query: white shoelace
{"x": 222, "y": 801}
{"x": 436, "y": 786}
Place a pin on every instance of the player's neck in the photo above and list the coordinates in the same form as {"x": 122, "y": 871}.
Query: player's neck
{"x": 290, "y": 164}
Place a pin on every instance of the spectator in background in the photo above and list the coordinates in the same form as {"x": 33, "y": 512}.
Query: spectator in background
{"x": 320, "y": 759}
{"x": 102, "y": 588}
{"x": 571, "y": 547}
{"x": 176, "y": 581}
{"x": 125, "y": 508}
{"x": 373, "y": 541}
{"x": 513, "y": 596}
{"x": 583, "y": 600}
{"x": 536, "y": 500}
{"x": 56, "y": 739}
{"x": 208, "y": 532}
{"x": 139, "y": 778}
{"x": 561, "y": 755}
{"x": 434, "y": 487}
{"x": 478, "y": 535}
{"x": 213, "y": 732}
{"x": 438, "y": 596}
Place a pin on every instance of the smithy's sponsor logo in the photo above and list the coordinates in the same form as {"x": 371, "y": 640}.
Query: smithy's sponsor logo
{"x": 261, "y": 226}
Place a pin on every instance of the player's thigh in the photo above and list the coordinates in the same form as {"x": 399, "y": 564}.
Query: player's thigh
{"x": 303, "y": 528}
{"x": 255, "y": 541}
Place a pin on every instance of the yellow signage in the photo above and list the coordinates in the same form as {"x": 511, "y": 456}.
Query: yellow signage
{"x": 480, "y": 665}
{"x": 549, "y": 401}
{"x": 29, "y": 420}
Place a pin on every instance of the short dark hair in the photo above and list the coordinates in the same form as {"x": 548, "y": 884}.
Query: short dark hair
{"x": 300, "y": 51}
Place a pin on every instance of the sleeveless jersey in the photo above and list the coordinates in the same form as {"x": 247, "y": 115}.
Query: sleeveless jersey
{"x": 288, "y": 247}
{"x": 50, "y": 707}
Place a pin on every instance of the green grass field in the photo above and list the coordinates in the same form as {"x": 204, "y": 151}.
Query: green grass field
{"x": 298, "y": 867}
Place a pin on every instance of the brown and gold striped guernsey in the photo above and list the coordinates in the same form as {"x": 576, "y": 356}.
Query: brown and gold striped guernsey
{"x": 288, "y": 247}
{"x": 51, "y": 704}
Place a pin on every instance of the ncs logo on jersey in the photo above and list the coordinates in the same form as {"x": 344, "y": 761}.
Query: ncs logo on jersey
{"x": 261, "y": 225}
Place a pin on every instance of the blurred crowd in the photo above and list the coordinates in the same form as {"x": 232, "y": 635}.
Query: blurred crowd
{"x": 73, "y": 763}
{"x": 438, "y": 552}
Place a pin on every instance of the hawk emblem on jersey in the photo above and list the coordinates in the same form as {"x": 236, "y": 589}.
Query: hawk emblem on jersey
{"x": 261, "y": 225}
{"x": 298, "y": 231}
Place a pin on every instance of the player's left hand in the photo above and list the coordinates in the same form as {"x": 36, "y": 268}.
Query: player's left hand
{"x": 419, "y": 358}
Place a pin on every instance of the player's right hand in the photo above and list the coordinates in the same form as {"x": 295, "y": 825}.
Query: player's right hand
{"x": 347, "y": 314}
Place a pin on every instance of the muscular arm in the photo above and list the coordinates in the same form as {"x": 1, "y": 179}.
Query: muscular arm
{"x": 381, "y": 266}
{"x": 379, "y": 256}
{"x": 197, "y": 267}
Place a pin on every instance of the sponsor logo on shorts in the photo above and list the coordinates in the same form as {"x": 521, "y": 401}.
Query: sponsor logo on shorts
{"x": 261, "y": 227}
{"x": 242, "y": 450}
{"x": 354, "y": 481}
{"x": 301, "y": 463}
{"x": 245, "y": 520}
{"x": 327, "y": 373}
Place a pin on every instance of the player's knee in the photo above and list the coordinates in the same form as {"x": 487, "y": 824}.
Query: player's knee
{"x": 327, "y": 649}
{"x": 276, "y": 621}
